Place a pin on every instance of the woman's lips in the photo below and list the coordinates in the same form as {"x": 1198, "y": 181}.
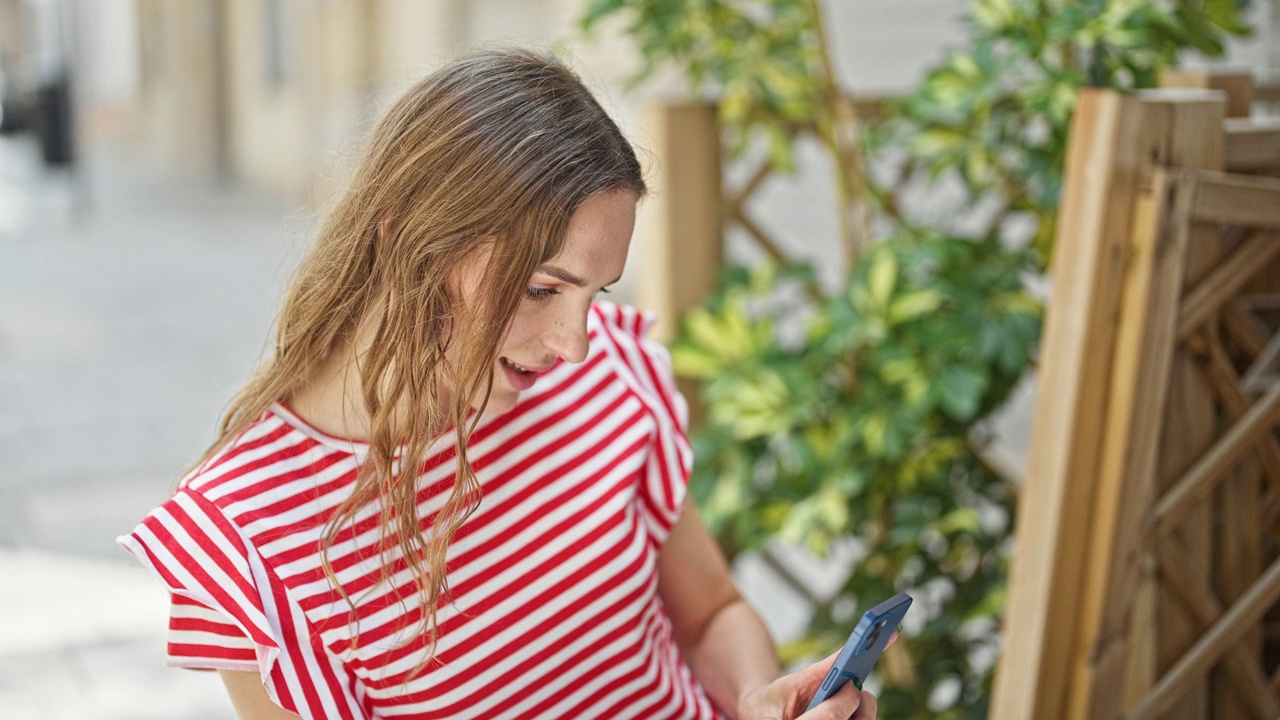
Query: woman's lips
{"x": 520, "y": 377}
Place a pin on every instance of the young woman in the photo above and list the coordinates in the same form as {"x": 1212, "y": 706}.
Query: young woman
{"x": 457, "y": 488}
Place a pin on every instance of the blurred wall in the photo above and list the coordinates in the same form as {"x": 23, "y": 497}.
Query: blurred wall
{"x": 297, "y": 81}
{"x": 179, "y": 100}
{"x": 276, "y": 93}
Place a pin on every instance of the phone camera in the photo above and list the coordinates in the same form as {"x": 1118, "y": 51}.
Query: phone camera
{"x": 874, "y": 636}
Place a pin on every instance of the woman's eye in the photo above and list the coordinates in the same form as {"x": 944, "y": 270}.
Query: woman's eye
{"x": 539, "y": 293}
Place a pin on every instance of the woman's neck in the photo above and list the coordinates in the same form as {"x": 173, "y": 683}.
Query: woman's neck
{"x": 331, "y": 402}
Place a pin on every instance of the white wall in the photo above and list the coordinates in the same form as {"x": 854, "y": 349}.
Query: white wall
{"x": 107, "y": 52}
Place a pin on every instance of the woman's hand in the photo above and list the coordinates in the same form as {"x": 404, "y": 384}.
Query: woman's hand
{"x": 788, "y": 696}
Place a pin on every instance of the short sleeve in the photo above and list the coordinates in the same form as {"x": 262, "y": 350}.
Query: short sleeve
{"x": 201, "y": 638}
{"x": 647, "y": 365}
{"x": 236, "y": 610}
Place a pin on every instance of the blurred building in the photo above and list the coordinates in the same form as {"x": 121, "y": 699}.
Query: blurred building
{"x": 276, "y": 93}
{"x": 272, "y": 92}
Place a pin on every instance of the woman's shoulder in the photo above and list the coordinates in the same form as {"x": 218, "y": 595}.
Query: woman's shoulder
{"x": 621, "y": 332}
{"x": 277, "y": 456}
{"x": 620, "y": 326}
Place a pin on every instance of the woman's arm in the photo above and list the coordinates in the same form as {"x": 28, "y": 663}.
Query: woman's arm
{"x": 721, "y": 637}
{"x": 250, "y": 698}
{"x": 727, "y": 645}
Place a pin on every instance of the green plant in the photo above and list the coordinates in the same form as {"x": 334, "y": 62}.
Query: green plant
{"x": 853, "y": 413}
{"x": 861, "y": 426}
{"x": 996, "y": 112}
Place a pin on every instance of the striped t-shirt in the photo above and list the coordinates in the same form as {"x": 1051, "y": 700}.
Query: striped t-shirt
{"x": 553, "y": 609}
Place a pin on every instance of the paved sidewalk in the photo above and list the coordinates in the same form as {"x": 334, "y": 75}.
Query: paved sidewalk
{"x": 131, "y": 307}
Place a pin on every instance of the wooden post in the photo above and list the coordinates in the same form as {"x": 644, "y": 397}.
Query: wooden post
{"x": 683, "y": 248}
{"x": 1076, "y": 573}
{"x": 681, "y": 239}
{"x": 1103, "y": 177}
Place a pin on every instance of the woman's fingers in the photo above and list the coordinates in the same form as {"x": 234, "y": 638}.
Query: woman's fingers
{"x": 867, "y": 708}
{"x": 840, "y": 706}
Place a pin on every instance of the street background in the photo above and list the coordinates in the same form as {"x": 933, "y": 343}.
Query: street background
{"x": 137, "y": 291}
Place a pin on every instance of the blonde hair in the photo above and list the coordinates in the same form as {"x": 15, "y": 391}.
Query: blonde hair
{"x": 497, "y": 148}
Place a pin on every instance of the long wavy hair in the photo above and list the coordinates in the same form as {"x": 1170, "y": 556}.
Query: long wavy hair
{"x": 496, "y": 149}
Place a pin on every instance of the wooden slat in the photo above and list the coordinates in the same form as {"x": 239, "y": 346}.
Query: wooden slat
{"x": 1244, "y": 510}
{"x": 873, "y": 107}
{"x": 1266, "y": 92}
{"x": 1200, "y": 480}
{"x": 1244, "y": 328}
{"x": 1239, "y": 200}
{"x": 1253, "y": 146}
{"x": 1226, "y": 280}
{"x": 736, "y": 201}
{"x": 1179, "y": 631}
{"x": 1222, "y": 377}
{"x": 761, "y": 237}
{"x": 1140, "y": 675}
{"x": 1246, "y": 673}
{"x": 1265, "y": 362}
{"x": 1125, "y": 481}
{"x": 1238, "y": 560}
{"x": 1225, "y": 633}
{"x": 1237, "y": 563}
{"x": 1271, "y": 516}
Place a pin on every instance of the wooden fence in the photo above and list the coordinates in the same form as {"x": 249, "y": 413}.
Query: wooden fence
{"x": 1146, "y": 579}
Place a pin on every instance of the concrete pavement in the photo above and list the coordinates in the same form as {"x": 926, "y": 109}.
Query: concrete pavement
{"x": 131, "y": 306}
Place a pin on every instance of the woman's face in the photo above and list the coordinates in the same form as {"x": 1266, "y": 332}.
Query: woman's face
{"x": 551, "y": 322}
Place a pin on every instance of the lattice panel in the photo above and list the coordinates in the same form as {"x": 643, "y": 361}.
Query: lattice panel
{"x": 1232, "y": 337}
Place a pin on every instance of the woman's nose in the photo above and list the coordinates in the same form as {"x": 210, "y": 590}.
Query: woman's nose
{"x": 567, "y": 336}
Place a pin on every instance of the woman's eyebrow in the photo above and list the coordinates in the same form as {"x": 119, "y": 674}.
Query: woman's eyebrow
{"x": 566, "y": 276}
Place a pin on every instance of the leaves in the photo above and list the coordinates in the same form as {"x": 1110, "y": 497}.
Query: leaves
{"x": 981, "y": 113}
{"x": 867, "y": 420}
{"x": 758, "y": 56}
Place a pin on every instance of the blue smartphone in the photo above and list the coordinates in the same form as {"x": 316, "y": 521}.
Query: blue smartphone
{"x": 863, "y": 648}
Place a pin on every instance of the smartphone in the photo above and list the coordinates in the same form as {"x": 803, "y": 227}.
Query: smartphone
{"x": 863, "y": 648}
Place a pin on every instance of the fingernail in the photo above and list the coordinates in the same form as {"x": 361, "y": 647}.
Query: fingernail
{"x": 899, "y": 627}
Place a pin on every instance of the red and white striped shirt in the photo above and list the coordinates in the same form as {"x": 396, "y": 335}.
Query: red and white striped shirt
{"x": 554, "y": 609}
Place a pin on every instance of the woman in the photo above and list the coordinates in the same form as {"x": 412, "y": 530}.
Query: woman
{"x": 331, "y": 555}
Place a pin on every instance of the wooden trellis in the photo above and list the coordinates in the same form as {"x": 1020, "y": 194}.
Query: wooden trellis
{"x": 683, "y": 230}
{"x": 1147, "y": 574}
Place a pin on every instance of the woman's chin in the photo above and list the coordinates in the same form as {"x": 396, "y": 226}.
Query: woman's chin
{"x": 501, "y": 401}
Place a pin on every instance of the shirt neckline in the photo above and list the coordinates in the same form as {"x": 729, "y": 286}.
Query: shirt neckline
{"x": 296, "y": 421}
